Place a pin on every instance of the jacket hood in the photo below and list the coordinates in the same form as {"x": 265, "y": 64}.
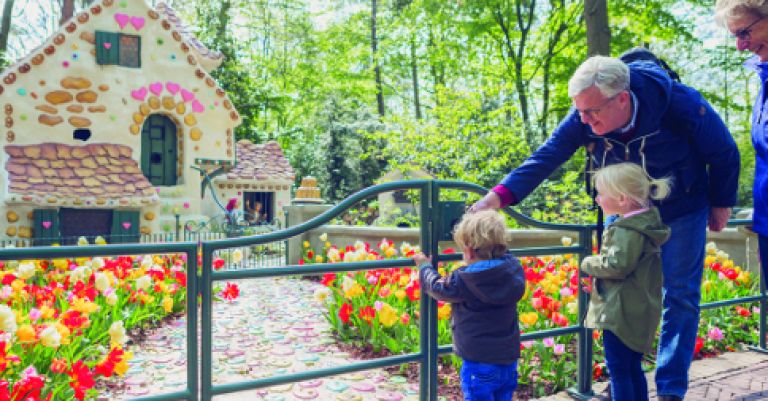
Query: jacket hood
{"x": 652, "y": 88}
{"x": 485, "y": 284}
{"x": 647, "y": 223}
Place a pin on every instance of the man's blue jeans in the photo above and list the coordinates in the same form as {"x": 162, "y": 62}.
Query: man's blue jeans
{"x": 683, "y": 264}
{"x": 625, "y": 366}
{"x": 488, "y": 382}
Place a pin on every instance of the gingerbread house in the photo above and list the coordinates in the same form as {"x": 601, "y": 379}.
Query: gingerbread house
{"x": 107, "y": 125}
{"x": 261, "y": 181}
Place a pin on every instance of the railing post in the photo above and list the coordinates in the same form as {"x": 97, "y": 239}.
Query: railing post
{"x": 193, "y": 284}
{"x": 584, "y": 374}
{"x": 206, "y": 325}
{"x": 428, "y": 307}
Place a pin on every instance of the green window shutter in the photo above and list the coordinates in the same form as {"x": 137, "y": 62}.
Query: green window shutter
{"x": 107, "y": 48}
{"x": 125, "y": 226}
{"x": 46, "y": 229}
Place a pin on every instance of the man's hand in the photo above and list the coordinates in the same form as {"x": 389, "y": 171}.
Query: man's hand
{"x": 491, "y": 201}
{"x": 421, "y": 259}
{"x": 718, "y": 218}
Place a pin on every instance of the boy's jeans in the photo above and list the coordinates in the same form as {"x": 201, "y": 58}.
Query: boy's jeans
{"x": 763, "y": 252}
{"x": 683, "y": 264}
{"x": 625, "y": 366}
{"x": 488, "y": 382}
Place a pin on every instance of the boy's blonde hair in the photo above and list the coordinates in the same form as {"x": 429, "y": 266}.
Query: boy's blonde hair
{"x": 632, "y": 181}
{"x": 484, "y": 232}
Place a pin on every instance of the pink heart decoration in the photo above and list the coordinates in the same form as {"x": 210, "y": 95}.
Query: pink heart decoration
{"x": 126, "y": 225}
{"x": 137, "y": 22}
{"x": 122, "y": 19}
{"x": 187, "y": 95}
{"x": 139, "y": 94}
{"x": 156, "y": 88}
{"x": 172, "y": 87}
{"x": 46, "y": 224}
{"x": 107, "y": 45}
{"x": 197, "y": 107}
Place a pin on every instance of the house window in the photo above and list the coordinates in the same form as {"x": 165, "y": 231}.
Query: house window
{"x": 118, "y": 49}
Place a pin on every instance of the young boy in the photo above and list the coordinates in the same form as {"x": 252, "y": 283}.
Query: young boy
{"x": 483, "y": 297}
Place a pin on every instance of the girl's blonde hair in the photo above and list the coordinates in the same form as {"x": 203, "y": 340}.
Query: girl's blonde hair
{"x": 484, "y": 232}
{"x": 632, "y": 181}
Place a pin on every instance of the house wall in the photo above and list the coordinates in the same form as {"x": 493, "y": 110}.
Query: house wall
{"x": 59, "y": 88}
{"x": 228, "y": 189}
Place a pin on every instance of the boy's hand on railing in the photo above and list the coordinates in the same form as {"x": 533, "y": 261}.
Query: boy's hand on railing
{"x": 421, "y": 259}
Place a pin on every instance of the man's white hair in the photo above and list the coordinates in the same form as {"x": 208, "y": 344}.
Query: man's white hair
{"x": 610, "y": 75}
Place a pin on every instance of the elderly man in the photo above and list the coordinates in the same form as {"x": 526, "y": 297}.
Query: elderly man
{"x": 635, "y": 112}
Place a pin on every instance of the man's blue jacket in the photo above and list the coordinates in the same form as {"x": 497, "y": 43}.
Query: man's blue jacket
{"x": 676, "y": 134}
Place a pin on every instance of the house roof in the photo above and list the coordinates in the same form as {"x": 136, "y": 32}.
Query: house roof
{"x": 57, "y": 174}
{"x": 71, "y": 29}
{"x": 210, "y": 59}
{"x": 261, "y": 162}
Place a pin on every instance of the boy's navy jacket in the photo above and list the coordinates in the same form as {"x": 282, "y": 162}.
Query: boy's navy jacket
{"x": 483, "y": 308}
{"x": 676, "y": 134}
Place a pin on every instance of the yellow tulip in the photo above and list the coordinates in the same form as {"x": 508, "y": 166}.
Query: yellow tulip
{"x": 26, "y": 334}
{"x": 444, "y": 312}
{"x": 529, "y": 318}
{"x": 167, "y": 304}
{"x": 388, "y": 315}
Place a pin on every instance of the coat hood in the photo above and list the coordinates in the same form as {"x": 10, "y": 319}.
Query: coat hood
{"x": 647, "y": 223}
{"x": 485, "y": 284}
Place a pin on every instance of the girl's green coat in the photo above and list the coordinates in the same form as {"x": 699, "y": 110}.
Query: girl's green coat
{"x": 626, "y": 291}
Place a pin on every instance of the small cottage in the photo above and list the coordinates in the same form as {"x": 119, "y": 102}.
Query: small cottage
{"x": 261, "y": 182}
{"x": 107, "y": 124}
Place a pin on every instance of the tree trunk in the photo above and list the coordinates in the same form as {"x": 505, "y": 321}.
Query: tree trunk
{"x": 598, "y": 31}
{"x": 415, "y": 80}
{"x": 5, "y": 25}
{"x": 376, "y": 66}
{"x": 67, "y": 10}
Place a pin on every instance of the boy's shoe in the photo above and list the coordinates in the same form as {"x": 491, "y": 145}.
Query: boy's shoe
{"x": 669, "y": 398}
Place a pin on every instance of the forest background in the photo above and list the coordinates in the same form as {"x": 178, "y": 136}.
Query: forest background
{"x": 462, "y": 89}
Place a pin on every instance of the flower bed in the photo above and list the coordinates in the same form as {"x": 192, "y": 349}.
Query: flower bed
{"x": 64, "y": 323}
{"x": 381, "y": 307}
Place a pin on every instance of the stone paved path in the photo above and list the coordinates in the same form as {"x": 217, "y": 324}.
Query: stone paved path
{"x": 734, "y": 376}
{"x": 273, "y": 328}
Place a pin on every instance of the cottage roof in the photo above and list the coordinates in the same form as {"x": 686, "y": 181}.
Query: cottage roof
{"x": 75, "y": 28}
{"x": 210, "y": 59}
{"x": 261, "y": 162}
{"x": 95, "y": 174}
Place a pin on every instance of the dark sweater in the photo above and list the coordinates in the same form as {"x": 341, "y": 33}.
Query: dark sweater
{"x": 483, "y": 308}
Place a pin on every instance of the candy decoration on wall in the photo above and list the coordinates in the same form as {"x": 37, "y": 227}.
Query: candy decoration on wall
{"x": 122, "y": 19}
{"x": 137, "y": 22}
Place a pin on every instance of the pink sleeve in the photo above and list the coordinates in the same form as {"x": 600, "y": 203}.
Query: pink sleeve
{"x": 507, "y": 197}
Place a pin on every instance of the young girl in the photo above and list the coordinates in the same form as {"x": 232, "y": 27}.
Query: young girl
{"x": 626, "y": 292}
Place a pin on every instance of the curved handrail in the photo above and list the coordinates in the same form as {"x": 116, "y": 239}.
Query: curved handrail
{"x": 358, "y": 196}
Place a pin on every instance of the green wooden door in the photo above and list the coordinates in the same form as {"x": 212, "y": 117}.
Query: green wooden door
{"x": 46, "y": 230}
{"x": 125, "y": 227}
{"x": 159, "y": 150}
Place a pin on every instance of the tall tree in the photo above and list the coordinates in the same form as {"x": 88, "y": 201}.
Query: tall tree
{"x": 376, "y": 61}
{"x": 598, "y": 30}
{"x": 67, "y": 10}
{"x": 5, "y": 26}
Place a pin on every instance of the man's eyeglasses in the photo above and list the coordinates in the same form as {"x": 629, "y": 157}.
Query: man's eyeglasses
{"x": 594, "y": 112}
{"x": 746, "y": 33}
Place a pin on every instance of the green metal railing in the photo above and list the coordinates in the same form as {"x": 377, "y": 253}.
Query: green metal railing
{"x": 202, "y": 388}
